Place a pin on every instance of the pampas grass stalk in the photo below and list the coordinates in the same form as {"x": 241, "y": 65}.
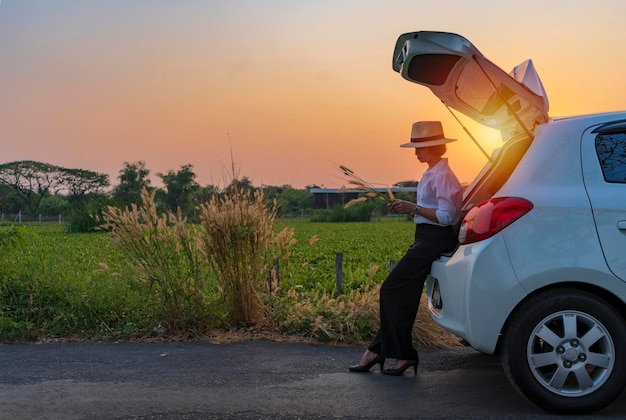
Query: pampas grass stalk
{"x": 238, "y": 244}
{"x": 165, "y": 252}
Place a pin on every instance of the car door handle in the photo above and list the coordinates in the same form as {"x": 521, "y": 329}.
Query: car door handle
{"x": 621, "y": 225}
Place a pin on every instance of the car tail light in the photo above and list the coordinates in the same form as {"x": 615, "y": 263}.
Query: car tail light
{"x": 490, "y": 217}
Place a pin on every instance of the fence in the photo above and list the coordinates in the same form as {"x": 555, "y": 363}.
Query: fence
{"x": 20, "y": 218}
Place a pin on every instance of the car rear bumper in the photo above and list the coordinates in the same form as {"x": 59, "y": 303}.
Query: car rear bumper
{"x": 471, "y": 293}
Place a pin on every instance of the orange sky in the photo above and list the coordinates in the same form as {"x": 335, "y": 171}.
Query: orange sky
{"x": 289, "y": 89}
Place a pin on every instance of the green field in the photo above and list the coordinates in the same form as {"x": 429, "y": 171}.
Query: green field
{"x": 56, "y": 284}
{"x": 363, "y": 246}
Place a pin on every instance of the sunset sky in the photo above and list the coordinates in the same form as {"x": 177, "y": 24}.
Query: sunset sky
{"x": 284, "y": 91}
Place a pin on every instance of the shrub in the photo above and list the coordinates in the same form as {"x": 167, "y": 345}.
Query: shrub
{"x": 359, "y": 213}
{"x": 80, "y": 219}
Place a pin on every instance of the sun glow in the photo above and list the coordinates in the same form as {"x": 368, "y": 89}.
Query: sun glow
{"x": 488, "y": 138}
{"x": 188, "y": 82}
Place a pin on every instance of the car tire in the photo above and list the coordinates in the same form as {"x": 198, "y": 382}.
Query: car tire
{"x": 565, "y": 351}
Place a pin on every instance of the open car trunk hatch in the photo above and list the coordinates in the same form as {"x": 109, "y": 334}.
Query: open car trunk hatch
{"x": 465, "y": 80}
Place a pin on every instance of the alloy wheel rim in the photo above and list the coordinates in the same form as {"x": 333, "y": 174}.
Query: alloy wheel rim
{"x": 570, "y": 353}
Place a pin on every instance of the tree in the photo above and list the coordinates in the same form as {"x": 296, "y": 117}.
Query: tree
{"x": 9, "y": 201}
{"x": 80, "y": 182}
{"x": 402, "y": 184}
{"x": 132, "y": 178}
{"x": 290, "y": 201}
{"x": 241, "y": 185}
{"x": 180, "y": 189}
{"x": 204, "y": 194}
{"x": 31, "y": 181}
{"x": 53, "y": 205}
{"x": 406, "y": 195}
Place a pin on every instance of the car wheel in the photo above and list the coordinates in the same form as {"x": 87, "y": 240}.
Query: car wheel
{"x": 565, "y": 351}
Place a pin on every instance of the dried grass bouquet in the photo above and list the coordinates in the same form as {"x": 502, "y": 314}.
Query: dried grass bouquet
{"x": 357, "y": 183}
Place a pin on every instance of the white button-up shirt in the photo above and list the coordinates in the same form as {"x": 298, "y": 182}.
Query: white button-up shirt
{"x": 440, "y": 189}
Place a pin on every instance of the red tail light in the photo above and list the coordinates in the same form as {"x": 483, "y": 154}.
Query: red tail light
{"x": 490, "y": 217}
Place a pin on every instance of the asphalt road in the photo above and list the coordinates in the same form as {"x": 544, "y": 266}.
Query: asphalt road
{"x": 249, "y": 380}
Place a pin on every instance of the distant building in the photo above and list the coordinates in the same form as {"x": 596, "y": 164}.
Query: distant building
{"x": 325, "y": 198}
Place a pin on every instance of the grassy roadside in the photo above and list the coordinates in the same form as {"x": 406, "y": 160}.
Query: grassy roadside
{"x": 82, "y": 287}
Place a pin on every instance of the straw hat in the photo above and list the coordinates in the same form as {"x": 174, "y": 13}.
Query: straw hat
{"x": 427, "y": 133}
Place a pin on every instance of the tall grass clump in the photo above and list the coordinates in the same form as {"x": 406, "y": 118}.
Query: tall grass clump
{"x": 165, "y": 252}
{"x": 344, "y": 318}
{"x": 240, "y": 245}
{"x": 350, "y": 318}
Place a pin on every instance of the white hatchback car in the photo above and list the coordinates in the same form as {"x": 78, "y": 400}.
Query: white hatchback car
{"x": 539, "y": 275}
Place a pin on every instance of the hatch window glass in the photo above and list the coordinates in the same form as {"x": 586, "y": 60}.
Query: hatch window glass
{"x": 611, "y": 150}
{"x": 477, "y": 88}
{"x": 431, "y": 69}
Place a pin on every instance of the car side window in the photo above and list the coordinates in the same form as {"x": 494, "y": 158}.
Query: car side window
{"x": 611, "y": 150}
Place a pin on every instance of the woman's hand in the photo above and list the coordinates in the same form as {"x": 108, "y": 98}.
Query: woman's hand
{"x": 401, "y": 207}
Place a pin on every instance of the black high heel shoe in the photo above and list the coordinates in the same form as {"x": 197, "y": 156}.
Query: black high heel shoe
{"x": 365, "y": 368}
{"x": 400, "y": 371}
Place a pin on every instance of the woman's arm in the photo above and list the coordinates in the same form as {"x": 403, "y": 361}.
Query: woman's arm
{"x": 407, "y": 207}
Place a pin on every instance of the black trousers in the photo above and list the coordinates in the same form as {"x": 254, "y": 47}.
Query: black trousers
{"x": 401, "y": 291}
